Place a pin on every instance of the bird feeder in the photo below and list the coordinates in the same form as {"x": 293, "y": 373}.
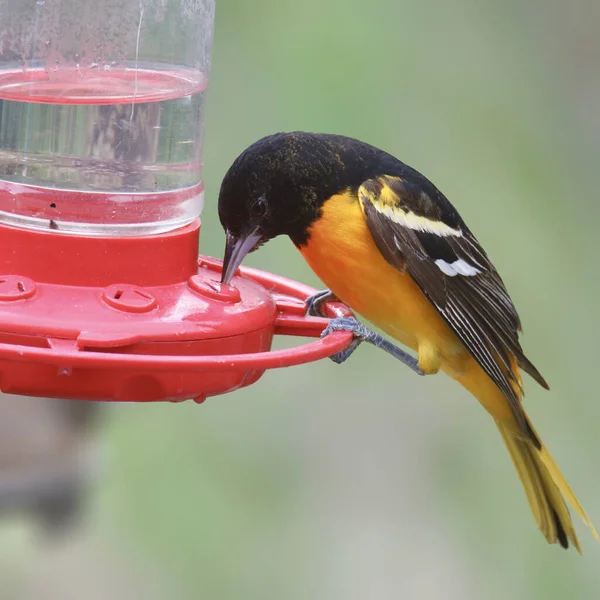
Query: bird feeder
{"x": 102, "y": 293}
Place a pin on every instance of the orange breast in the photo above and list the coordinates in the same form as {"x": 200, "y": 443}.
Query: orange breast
{"x": 342, "y": 253}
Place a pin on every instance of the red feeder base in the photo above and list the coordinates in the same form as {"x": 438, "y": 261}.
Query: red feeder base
{"x": 142, "y": 319}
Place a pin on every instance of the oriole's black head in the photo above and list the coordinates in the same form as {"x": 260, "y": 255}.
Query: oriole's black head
{"x": 279, "y": 184}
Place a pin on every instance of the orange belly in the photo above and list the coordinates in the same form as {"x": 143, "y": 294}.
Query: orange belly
{"x": 342, "y": 253}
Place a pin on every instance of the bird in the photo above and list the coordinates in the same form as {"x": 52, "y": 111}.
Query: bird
{"x": 388, "y": 244}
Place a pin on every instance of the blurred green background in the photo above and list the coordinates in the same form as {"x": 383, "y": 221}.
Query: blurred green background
{"x": 364, "y": 481}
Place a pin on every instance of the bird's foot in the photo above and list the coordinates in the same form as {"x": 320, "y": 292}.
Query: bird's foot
{"x": 316, "y": 302}
{"x": 364, "y": 334}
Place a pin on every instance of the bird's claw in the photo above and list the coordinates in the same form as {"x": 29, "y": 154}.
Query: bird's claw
{"x": 360, "y": 331}
{"x": 364, "y": 334}
{"x": 315, "y": 303}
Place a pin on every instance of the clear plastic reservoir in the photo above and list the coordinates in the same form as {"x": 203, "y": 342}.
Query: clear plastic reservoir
{"x": 101, "y": 113}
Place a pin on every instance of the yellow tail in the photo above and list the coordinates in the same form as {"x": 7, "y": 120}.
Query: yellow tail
{"x": 546, "y": 489}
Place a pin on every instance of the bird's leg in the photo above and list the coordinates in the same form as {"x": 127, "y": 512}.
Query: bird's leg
{"x": 316, "y": 302}
{"x": 364, "y": 334}
{"x": 314, "y": 307}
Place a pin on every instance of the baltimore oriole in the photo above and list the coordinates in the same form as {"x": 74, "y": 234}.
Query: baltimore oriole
{"x": 388, "y": 243}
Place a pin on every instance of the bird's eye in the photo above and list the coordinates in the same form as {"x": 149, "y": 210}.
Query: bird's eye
{"x": 259, "y": 208}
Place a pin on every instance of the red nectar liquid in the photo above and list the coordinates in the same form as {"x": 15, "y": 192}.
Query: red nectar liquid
{"x": 101, "y": 151}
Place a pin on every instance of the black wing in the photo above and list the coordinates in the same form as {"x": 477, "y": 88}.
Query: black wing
{"x": 427, "y": 237}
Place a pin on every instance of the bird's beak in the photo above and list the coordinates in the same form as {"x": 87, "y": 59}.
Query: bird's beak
{"x": 236, "y": 249}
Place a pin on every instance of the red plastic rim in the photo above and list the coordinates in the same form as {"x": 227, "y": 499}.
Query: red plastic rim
{"x": 291, "y": 320}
